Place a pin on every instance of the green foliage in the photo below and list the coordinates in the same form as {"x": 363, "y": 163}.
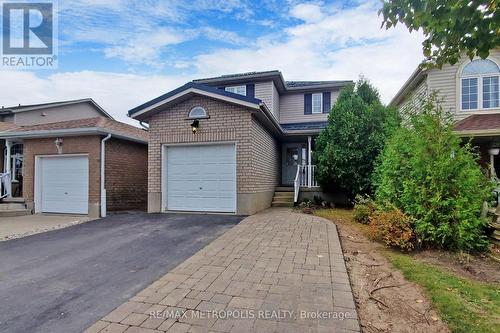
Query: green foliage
{"x": 451, "y": 27}
{"x": 394, "y": 228}
{"x": 364, "y": 207}
{"x": 426, "y": 172}
{"x": 346, "y": 149}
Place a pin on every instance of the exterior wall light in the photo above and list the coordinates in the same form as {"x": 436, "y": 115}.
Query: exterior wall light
{"x": 195, "y": 125}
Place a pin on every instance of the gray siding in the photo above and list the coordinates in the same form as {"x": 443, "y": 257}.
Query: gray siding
{"x": 413, "y": 101}
{"x": 55, "y": 114}
{"x": 447, "y": 82}
{"x": 264, "y": 92}
{"x": 276, "y": 103}
{"x": 292, "y": 108}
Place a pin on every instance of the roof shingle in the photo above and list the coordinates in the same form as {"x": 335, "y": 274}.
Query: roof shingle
{"x": 103, "y": 123}
{"x": 479, "y": 122}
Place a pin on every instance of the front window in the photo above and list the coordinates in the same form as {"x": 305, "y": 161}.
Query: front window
{"x": 469, "y": 94}
{"x": 490, "y": 92}
{"x": 317, "y": 103}
{"x": 480, "y": 85}
{"x": 197, "y": 112}
{"x": 240, "y": 90}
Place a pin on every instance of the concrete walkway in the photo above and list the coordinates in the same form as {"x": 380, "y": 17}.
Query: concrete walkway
{"x": 276, "y": 271}
{"x": 21, "y": 226}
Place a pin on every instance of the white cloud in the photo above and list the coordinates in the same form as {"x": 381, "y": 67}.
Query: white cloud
{"x": 307, "y": 12}
{"x": 146, "y": 47}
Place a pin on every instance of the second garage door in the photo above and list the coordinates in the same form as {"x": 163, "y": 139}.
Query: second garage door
{"x": 201, "y": 178}
{"x": 63, "y": 184}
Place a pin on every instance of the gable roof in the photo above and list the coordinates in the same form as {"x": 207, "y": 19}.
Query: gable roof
{"x": 185, "y": 92}
{"x": 87, "y": 126}
{"x": 274, "y": 75}
{"x": 479, "y": 124}
{"x": 415, "y": 78}
{"x": 30, "y": 107}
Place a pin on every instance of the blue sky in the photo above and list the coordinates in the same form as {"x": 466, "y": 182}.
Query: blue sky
{"x": 124, "y": 52}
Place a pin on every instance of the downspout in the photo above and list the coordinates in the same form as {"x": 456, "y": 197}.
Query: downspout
{"x": 103, "y": 169}
{"x": 143, "y": 126}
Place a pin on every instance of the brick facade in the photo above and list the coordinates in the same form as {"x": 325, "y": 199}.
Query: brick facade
{"x": 71, "y": 145}
{"x": 126, "y": 175}
{"x": 126, "y": 170}
{"x": 227, "y": 123}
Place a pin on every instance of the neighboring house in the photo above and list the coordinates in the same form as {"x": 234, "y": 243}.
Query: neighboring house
{"x": 468, "y": 89}
{"x": 71, "y": 157}
{"x": 225, "y": 144}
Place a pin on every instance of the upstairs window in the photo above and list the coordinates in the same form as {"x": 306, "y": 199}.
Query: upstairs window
{"x": 317, "y": 103}
{"x": 240, "y": 90}
{"x": 480, "y": 85}
{"x": 197, "y": 112}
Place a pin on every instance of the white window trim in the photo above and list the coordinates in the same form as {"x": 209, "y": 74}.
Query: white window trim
{"x": 479, "y": 87}
{"x": 236, "y": 89}
{"x": 320, "y": 103}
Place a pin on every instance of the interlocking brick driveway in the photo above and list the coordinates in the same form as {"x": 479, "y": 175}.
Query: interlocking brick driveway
{"x": 276, "y": 271}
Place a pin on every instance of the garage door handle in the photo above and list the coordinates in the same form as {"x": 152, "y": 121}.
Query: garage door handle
{"x": 66, "y": 193}
{"x": 201, "y": 188}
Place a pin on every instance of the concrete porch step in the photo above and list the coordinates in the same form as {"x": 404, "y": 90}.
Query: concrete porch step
{"x": 283, "y": 194}
{"x": 16, "y": 212}
{"x": 282, "y": 204}
{"x": 12, "y": 200}
{"x": 284, "y": 189}
{"x": 12, "y": 206}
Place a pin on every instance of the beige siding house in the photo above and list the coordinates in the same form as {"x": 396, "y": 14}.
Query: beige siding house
{"x": 470, "y": 91}
{"x": 235, "y": 143}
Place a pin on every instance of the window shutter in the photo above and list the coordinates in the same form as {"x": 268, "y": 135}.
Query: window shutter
{"x": 251, "y": 90}
{"x": 307, "y": 103}
{"x": 327, "y": 102}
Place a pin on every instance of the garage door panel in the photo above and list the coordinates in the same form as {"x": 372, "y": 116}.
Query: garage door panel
{"x": 201, "y": 178}
{"x": 64, "y": 184}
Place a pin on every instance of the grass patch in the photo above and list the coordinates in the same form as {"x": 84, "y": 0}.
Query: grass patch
{"x": 344, "y": 216}
{"x": 466, "y": 306}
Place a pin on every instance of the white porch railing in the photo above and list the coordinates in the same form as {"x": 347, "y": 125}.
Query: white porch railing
{"x": 5, "y": 185}
{"x": 305, "y": 177}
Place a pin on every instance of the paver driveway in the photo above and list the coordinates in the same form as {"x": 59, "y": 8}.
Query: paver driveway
{"x": 65, "y": 280}
{"x": 276, "y": 271}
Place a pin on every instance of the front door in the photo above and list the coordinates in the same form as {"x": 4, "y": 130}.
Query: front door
{"x": 293, "y": 154}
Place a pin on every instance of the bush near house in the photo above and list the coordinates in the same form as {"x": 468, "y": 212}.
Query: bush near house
{"x": 346, "y": 150}
{"x": 427, "y": 173}
{"x": 364, "y": 208}
{"x": 394, "y": 228}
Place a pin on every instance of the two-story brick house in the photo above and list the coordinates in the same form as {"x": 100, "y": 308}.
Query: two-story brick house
{"x": 225, "y": 144}
{"x": 470, "y": 91}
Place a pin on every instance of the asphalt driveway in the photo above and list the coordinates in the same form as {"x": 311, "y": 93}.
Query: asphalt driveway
{"x": 65, "y": 280}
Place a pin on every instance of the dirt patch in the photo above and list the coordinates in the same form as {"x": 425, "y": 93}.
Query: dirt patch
{"x": 476, "y": 267}
{"x": 386, "y": 301}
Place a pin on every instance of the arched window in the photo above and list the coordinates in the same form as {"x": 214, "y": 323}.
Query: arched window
{"x": 197, "y": 112}
{"x": 479, "y": 85}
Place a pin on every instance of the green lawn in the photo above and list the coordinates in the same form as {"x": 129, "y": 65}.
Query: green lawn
{"x": 467, "y": 306}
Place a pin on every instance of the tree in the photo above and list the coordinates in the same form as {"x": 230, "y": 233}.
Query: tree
{"x": 451, "y": 27}
{"x": 346, "y": 149}
{"x": 426, "y": 172}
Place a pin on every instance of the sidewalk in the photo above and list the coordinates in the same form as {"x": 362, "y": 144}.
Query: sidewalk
{"x": 276, "y": 271}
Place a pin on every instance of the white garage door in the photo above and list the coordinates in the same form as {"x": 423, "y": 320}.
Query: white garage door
{"x": 64, "y": 184}
{"x": 201, "y": 178}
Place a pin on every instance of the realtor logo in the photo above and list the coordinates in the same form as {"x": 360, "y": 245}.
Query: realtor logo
{"x": 28, "y": 34}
